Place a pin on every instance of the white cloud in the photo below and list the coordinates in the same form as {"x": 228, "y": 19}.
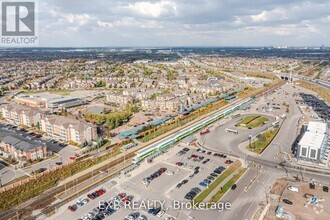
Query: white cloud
{"x": 273, "y": 15}
{"x": 154, "y": 10}
{"x": 78, "y": 19}
{"x": 104, "y": 24}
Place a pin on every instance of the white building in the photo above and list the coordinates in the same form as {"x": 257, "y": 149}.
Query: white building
{"x": 313, "y": 144}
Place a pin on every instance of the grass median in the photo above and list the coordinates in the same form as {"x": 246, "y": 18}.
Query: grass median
{"x": 263, "y": 140}
{"x": 200, "y": 198}
{"x": 227, "y": 186}
{"x": 252, "y": 121}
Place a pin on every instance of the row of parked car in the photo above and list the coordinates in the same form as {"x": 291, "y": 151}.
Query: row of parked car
{"x": 156, "y": 212}
{"x": 183, "y": 151}
{"x": 136, "y": 216}
{"x": 208, "y": 180}
{"x": 109, "y": 207}
{"x": 156, "y": 174}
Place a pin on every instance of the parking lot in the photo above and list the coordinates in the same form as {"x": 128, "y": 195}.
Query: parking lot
{"x": 178, "y": 169}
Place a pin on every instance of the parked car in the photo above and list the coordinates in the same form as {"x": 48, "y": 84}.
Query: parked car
{"x": 161, "y": 213}
{"x": 233, "y": 187}
{"x": 170, "y": 173}
{"x": 287, "y": 201}
{"x": 73, "y": 208}
{"x": 293, "y": 188}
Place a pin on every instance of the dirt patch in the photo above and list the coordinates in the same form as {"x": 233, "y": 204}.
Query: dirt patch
{"x": 279, "y": 187}
{"x": 301, "y": 207}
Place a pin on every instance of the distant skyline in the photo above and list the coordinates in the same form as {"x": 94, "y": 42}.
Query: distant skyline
{"x": 175, "y": 23}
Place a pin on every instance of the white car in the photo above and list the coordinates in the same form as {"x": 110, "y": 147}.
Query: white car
{"x": 161, "y": 213}
{"x": 293, "y": 188}
{"x": 145, "y": 181}
{"x": 170, "y": 173}
{"x": 85, "y": 201}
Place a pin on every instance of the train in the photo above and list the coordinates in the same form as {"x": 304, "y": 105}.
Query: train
{"x": 169, "y": 141}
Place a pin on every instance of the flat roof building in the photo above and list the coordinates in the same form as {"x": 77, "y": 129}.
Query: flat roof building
{"x": 314, "y": 143}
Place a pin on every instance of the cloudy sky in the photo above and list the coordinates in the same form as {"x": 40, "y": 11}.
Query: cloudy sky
{"x": 148, "y": 23}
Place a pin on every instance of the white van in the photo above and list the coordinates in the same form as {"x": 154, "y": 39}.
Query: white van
{"x": 293, "y": 189}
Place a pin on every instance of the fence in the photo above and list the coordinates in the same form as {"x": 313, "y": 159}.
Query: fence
{"x": 28, "y": 179}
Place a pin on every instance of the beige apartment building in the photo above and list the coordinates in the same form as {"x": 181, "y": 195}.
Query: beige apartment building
{"x": 20, "y": 115}
{"x": 67, "y": 129}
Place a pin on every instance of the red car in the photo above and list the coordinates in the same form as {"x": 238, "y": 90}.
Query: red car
{"x": 72, "y": 208}
{"x": 72, "y": 158}
{"x": 229, "y": 162}
{"x": 100, "y": 192}
{"x": 122, "y": 195}
{"x": 209, "y": 153}
{"x": 162, "y": 170}
{"x": 125, "y": 201}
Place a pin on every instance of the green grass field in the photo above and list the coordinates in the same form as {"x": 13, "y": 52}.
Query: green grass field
{"x": 252, "y": 121}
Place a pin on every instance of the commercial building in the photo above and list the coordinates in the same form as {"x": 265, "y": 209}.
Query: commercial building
{"x": 64, "y": 102}
{"x": 21, "y": 150}
{"x": 314, "y": 142}
{"x": 48, "y": 100}
{"x": 68, "y": 129}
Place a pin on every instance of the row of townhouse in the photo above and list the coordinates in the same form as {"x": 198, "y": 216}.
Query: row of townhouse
{"x": 20, "y": 115}
{"x": 21, "y": 150}
{"x": 55, "y": 126}
{"x": 67, "y": 129}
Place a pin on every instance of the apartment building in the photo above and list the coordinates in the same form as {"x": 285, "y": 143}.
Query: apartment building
{"x": 119, "y": 99}
{"x": 19, "y": 149}
{"x": 67, "y": 129}
{"x": 20, "y": 115}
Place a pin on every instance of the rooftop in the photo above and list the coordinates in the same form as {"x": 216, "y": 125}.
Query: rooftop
{"x": 19, "y": 143}
{"x": 313, "y": 140}
{"x": 317, "y": 127}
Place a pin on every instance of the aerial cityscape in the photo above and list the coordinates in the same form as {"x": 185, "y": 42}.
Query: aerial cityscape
{"x": 165, "y": 109}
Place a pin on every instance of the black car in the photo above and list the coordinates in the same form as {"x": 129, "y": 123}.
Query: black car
{"x": 196, "y": 190}
{"x": 184, "y": 181}
{"x": 287, "y": 201}
{"x": 325, "y": 189}
{"x": 233, "y": 187}
{"x": 217, "y": 171}
{"x": 179, "y": 185}
{"x": 156, "y": 211}
{"x": 214, "y": 174}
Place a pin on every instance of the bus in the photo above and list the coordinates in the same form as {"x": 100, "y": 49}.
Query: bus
{"x": 231, "y": 131}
